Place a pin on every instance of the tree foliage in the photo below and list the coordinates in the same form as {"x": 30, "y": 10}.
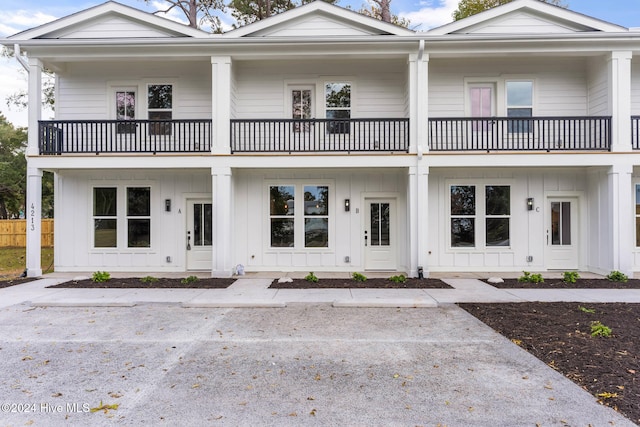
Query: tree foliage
{"x": 467, "y": 8}
{"x": 378, "y": 12}
{"x": 198, "y": 12}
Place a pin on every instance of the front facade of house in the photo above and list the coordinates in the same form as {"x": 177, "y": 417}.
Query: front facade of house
{"x": 323, "y": 140}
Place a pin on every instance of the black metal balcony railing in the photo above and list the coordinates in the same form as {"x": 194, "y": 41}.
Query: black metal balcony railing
{"x": 124, "y": 136}
{"x": 320, "y": 135}
{"x": 635, "y": 132}
{"x": 525, "y": 134}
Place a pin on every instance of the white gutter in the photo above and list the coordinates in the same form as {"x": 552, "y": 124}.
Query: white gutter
{"x": 16, "y": 52}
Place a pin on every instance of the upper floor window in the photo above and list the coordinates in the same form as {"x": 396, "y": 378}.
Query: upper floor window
{"x": 338, "y": 106}
{"x": 519, "y": 104}
{"x": 160, "y": 107}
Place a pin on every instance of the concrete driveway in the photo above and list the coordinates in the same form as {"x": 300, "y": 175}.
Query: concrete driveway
{"x": 305, "y": 364}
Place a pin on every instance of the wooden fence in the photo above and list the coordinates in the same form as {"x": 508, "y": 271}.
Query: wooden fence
{"x": 13, "y": 233}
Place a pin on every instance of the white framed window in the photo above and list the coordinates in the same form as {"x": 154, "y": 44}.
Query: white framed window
{"x": 519, "y": 104}
{"x": 159, "y": 108}
{"x": 480, "y": 215}
{"x": 121, "y": 216}
{"x": 303, "y": 228}
{"x": 337, "y": 104}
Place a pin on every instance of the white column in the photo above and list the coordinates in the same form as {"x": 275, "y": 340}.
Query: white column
{"x": 419, "y": 101}
{"x": 221, "y": 103}
{"x": 620, "y": 100}
{"x": 222, "y": 222}
{"x": 418, "y": 196}
{"x": 622, "y": 219}
{"x": 34, "y": 217}
{"x": 34, "y": 105}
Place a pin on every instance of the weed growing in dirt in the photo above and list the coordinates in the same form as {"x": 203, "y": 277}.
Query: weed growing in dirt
{"x": 189, "y": 280}
{"x": 311, "y": 278}
{"x": 398, "y": 279}
{"x": 617, "y": 276}
{"x": 586, "y": 310}
{"x": 359, "y": 277}
{"x": 530, "y": 278}
{"x": 148, "y": 279}
{"x": 600, "y": 330}
{"x": 570, "y": 276}
{"x": 100, "y": 276}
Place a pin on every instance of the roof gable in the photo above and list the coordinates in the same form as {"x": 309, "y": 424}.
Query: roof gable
{"x": 318, "y": 19}
{"x": 110, "y": 20}
{"x": 527, "y": 17}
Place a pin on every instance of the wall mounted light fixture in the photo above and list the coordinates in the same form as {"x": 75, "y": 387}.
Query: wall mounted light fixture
{"x": 530, "y": 204}
{"x": 347, "y": 205}
{"x": 167, "y": 205}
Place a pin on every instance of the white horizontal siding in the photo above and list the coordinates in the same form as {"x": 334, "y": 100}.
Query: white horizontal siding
{"x": 316, "y": 26}
{"x": 108, "y": 28}
{"x": 598, "y": 82}
{"x": 635, "y": 86}
{"x": 521, "y": 23}
{"x": 84, "y": 89}
{"x": 379, "y": 88}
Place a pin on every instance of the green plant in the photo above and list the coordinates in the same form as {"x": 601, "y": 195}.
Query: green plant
{"x": 100, "y": 276}
{"x": 530, "y": 278}
{"x": 359, "y": 277}
{"x": 586, "y": 310}
{"x": 570, "y": 276}
{"x": 148, "y": 279}
{"x": 311, "y": 278}
{"x": 189, "y": 280}
{"x": 600, "y": 330}
{"x": 617, "y": 276}
{"x": 398, "y": 279}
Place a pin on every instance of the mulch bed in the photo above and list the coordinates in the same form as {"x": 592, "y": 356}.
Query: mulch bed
{"x": 5, "y": 283}
{"x": 376, "y": 283}
{"x": 559, "y": 284}
{"x": 133, "y": 282}
{"x": 560, "y": 335}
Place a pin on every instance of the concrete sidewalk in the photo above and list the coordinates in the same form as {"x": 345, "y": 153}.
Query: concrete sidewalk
{"x": 255, "y": 292}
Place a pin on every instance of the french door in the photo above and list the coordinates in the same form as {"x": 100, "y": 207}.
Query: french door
{"x": 199, "y": 234}
{"x": 380, "y": 238}
{"x": 562, "y": 233}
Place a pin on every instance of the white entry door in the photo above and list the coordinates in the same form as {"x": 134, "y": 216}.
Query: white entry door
{"x": 380, "y": 239}
{"x": 199, "y": 234}
{"x": 562, "y": 233}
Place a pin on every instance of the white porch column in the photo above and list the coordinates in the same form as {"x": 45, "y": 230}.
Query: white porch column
{"x": 34, "y": 105}
{"x": 34, "y": 215}
{"x": 621, "y": 203}
{"x": 222, "y": 222}
{"x": 418, "y": 196}
{"x": 221, "y": 104}
{"x": 419, "y": 101}
{"x": 620, "y": 100}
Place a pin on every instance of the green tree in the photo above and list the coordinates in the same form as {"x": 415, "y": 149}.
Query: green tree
{"x": 471, "y": 7}
{"x": 198, "y": 12}
{"x": 13, "y": 166}
{"x": 380, "y": 9}
{"x": 248, "y": 11}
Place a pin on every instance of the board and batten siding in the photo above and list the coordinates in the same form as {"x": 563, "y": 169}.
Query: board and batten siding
{"x": 74, "y": 219}
{"x": 379, "y": 88}
{"x": 560, "y": 87}
{"x": 84, "y": 90}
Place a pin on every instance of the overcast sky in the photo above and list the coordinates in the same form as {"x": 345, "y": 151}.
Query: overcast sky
{"x": 18, "y": 15}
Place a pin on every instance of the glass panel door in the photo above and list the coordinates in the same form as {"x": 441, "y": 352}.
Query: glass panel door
{"x": 199, "y": 238}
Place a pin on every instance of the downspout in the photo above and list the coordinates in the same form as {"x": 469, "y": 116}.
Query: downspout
{"x": 16, "y": 52}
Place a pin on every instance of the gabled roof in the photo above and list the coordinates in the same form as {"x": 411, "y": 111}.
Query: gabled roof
{"x": 109, "y": 20}
{"x": 318, "y": 18}
{"x": 526, "y": 17}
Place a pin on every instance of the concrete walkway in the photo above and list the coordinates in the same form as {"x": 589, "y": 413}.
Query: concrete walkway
{"x": 255, "y": 292}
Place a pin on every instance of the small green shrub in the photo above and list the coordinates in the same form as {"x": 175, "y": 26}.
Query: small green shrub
{"x": 530, "y": 278}
{"x": 359, "y": 277}
{"x": 570, "y": 276}
{"x": 189, "y": 280}
{"x": 617, "y": 276}
{"x": 586, "y": 310}
{"x": 600, "y": 330}
{"x": 100, "y": 276}
{"x": 148, "y": 279}
{"x": 311, "y": 278}
{"x": 398, "y": 279}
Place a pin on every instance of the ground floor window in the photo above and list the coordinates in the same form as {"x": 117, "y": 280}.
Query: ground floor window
{"x": 480, "y": 221}
{"x": 307, "y": 227}
{"x": 131, "y": 216}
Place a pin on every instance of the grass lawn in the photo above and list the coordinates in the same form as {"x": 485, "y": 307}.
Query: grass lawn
{"x": 13, "y": 262}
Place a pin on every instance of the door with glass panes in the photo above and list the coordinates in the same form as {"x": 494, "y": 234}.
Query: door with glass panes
{"x": 380, "y": 239}
{"x": 199, "y": 238}
{"x": 562, "y": 233}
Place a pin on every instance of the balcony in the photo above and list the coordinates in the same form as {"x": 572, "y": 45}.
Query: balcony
{"x": 520, "y": 134}
{"x": 124, "y": 136}
{"x": 319, "y": 135}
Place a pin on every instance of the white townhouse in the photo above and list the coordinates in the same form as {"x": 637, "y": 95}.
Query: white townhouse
{"x": 323, "y": 140}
